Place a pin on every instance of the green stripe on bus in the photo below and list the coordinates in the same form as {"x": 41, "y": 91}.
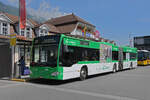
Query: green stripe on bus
{"x": 88, "y": 62}
{"x": 115, "y": 61}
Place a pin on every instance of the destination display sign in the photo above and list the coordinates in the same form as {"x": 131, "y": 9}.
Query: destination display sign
{"x": 80, "y": 43}
{"x": 84, "y": 43}
{"x": 47, "y": 39}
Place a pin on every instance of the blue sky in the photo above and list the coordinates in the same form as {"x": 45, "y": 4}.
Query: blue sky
{"x": 115, "y": 19}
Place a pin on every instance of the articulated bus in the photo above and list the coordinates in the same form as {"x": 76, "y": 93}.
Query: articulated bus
{"x": 143, "y": 57}
{"x": 63, "y": 57}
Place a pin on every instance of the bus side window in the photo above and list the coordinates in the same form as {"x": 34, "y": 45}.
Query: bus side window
{"x": 90, "y": 54}
{"x": 124, "y": 55}
{"x": 133, "y": 56}
{"x": 68, "y": 56}
{"x": 84, "y": 54}
{"x": 114, "y": 55}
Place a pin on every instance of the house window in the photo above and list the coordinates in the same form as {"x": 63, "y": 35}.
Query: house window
{"x": 28, "y": 34}
{"x": 21, "y": 51}
{"x": 22, "y": 32}
{"x": 46, "y": 32}
{"x": 4, "y": 28}
{"x": 43, "y": 32}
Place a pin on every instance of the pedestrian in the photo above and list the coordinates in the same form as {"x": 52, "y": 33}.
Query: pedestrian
{"x": 22, "y": 65}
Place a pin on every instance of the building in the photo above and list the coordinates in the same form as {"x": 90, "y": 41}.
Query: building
{"x": 142, "y": 42}
{"x": 76, "y": 26}
{"x": 45, "y": 29}
{"x": 73, "y": 25}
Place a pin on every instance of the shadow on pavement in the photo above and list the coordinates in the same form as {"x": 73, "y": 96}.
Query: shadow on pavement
{"x": 62, "y": 82}
{"x": 52, "y": 82}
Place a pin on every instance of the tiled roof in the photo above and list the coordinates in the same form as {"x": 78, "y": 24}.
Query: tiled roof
{"x": 67, "y": 19}
{"x": 50, "y": 26}
{"x": 33, "y": 22}
{"x": 68, "y": 28}
{"x": 14, "y": 19}
{"x": 67, "y": 23}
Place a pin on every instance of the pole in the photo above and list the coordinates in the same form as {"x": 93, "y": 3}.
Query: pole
{"x": 130, "y": 40}
{"x": 19, "y": 18}
{"x": 19, "y": 34}
{"x": 12, "y": 54}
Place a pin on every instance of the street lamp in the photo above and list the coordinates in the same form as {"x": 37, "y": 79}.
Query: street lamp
{"x": 131, "y": 39}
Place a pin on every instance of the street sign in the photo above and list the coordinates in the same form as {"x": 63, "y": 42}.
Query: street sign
{"x": 12, "y": 39}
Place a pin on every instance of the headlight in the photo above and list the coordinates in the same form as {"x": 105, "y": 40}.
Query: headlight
{"x": 55, "y": 74}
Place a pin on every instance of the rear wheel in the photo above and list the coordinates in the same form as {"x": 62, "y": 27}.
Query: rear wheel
{"x": 83, "y": 74}
{"x": 114, "y": 68}
{"x": 131, "y": 65}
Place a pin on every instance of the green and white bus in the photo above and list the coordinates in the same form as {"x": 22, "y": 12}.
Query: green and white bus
{"x": 63, "y": 57}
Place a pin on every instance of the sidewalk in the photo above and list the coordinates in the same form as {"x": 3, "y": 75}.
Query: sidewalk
{"x": 4, "y": 83}
{"x": 22, "y": 79}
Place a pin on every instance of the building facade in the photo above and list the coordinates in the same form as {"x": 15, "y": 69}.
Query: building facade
{"x": 142, "y": 43}
{"x": 9, "y": 24}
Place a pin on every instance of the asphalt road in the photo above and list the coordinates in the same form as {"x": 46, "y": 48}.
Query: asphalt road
{"x": 126, "y": 85}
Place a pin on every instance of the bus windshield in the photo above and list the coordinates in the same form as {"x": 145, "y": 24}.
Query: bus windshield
{"x": 143, "y": 56}
{"x": 45, "y": 52}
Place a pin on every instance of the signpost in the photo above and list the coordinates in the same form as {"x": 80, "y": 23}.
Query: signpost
{"x": 13, "y": 39}
{"x": 13, "y": 44}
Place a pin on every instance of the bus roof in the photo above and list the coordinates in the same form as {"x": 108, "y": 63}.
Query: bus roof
{"x": 129, "y": 49}
{"x": 91, "y": 44}
{"x": 82, "y": 42}
{"x": 143, "y": 51}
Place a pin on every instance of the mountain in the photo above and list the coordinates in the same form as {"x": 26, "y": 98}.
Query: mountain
{"x": 8, "y": 9}
{"x": 15, "y": 11}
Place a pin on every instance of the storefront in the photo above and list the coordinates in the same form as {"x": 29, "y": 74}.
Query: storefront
{"x": 22, "y": 48}
{"x": 5, "y": 59}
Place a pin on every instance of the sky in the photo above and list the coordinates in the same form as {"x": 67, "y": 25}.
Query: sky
{"x": 114, "y": 19}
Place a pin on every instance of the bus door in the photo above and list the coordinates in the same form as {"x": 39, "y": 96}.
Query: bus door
{"x": 120, "y": 67}
{"x": 105, "y": 53}
{"x": 127, "y": 56}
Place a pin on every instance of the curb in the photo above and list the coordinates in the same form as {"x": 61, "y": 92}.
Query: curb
{"x": 19, "y": 80}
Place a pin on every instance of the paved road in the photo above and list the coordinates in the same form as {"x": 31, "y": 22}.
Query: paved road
{"x": 126, "y": 85}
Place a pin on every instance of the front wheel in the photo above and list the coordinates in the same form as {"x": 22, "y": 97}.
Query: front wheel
{"x": 83, "y": 74}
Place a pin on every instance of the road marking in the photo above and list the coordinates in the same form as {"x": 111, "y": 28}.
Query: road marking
{"x": 84, "y": 92}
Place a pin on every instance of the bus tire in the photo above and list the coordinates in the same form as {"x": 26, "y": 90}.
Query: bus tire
{"x": 83, "y": 73}
{"x": 131, "y": 65}
{"x": 114, "y": 68}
